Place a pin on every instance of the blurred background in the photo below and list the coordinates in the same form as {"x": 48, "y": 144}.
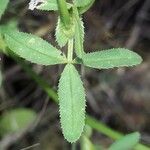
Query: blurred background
{"x": 119, "y": 98}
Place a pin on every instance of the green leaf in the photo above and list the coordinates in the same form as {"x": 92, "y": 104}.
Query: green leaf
{"x": 33, "y": 48}
{"x": 83, "y": 9}
{"x": 79, "y": 34}
{"x": 118, "y": 57}
{"x": 72, "y": 103}
{"x": 127, "y": 142}
{"x": 10, "y": 25}
{"x": 16, "y": 120}
{"x": 81, "y": 3}
{"x": 64, "y": 13}
{"x": 3, "y": 6}
{"x": 61, "y": 37}
{"x": 62, "y": 34}
{"x": 51, "y": 5}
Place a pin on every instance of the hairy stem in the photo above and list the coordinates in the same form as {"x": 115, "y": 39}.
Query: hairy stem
{"x": 70, "y": 50}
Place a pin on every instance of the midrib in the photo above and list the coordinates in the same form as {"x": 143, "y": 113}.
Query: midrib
{"x": 71, "y": 93}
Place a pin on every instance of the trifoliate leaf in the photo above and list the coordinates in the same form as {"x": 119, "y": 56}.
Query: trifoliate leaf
{"x": 33, "y": 48}
{"x": 16, "y": 120}
{"x": 117, "y": 57}
{"x": 79, "y": 34}
{"x": 3, "y": 6}
{"x": 127, "y": 142}
{"x": 72, "y": 103}
{"x": 50, "y": 5}
{"x": 62, "y": 34}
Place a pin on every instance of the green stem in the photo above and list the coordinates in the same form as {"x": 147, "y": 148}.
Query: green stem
{"x": 73, "y": 146}
{"x": 64, "y": 13}
{"x": 70, "y": 50}
{"x": 97, "y": 125}
{"x": 102, "y": 128}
